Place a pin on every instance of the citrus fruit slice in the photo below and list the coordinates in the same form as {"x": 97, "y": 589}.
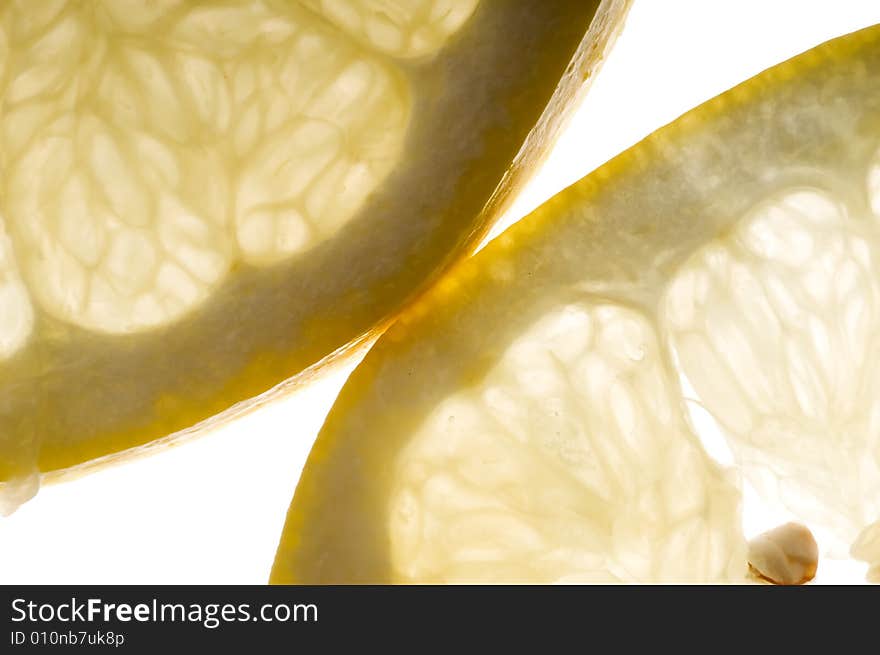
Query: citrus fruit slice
{"x": 526, "y": 421}
{"x": 202, "y": 199}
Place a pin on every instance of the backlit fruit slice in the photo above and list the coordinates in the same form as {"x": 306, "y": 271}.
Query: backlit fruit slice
{"x": 524, "y": 422}
{"x": 202, "y": 199}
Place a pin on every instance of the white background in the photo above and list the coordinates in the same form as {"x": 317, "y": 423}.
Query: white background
{"x": 211, "y": 510}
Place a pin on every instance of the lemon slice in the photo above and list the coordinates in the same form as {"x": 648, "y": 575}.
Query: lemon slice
{"x": 200, "y": 200}
{"x": 525, "y": 422}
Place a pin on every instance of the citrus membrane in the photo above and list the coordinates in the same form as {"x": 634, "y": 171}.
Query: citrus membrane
{"x": 202, "y": 199}
{"x": 525, "y": 421}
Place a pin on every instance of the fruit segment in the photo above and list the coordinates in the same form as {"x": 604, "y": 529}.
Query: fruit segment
{"x": 404, "y": 29}
{"x": 867, "y": 549}
{"x": 15, "y": 303}
{"x": 312, "y": 154}
{"x": 127, "y": 162}
{"x": 570, "y": 461}
{"x": 107, "y": 234}
{"x": 874, "y": 187}
{"x": 777, "y": 327}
